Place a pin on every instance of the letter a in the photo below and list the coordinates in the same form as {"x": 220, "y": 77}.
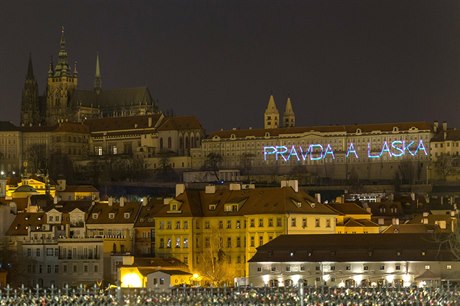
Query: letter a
{"x": 351, "y": 149}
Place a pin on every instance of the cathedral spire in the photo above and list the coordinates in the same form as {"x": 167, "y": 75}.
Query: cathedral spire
{"x": 62, "y": 43}
{"x": 51, "y": 67}
{"x": 30, "y": 69}
{"x": 97, "y": 76}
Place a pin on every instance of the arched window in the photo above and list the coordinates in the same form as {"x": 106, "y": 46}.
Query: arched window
{"x": 169, "y": 143}
{"x": 161, "y": 143}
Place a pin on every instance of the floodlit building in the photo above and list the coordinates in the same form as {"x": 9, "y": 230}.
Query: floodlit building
{"x": 358, "y": 260}
{"x": 358, "y": 152}
{"x": 64, "y": 101}
{"x": 196, "y": 225}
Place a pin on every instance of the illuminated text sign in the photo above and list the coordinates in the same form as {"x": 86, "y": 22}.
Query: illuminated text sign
{"x": 397, "y": 148}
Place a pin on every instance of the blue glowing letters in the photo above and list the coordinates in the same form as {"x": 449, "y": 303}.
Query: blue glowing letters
{"x": 397, "y": 148}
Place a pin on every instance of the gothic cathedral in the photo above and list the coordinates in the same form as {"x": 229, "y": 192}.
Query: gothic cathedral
{"x": 63, "y": 101}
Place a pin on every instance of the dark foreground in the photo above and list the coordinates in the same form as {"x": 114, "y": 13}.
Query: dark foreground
{"x": 232, "y": 296}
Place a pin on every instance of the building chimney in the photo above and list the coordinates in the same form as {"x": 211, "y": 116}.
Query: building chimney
{"x": 444, "y": 126}
{"x": 145, "y": 200}
{"x": 435, "y": 126}
{"x": 210, "y": 189}
{"x": 150, "y": 121}
{"x": 318, "y": 197}
{"x": 412, "y": 196}
{"x": 235, "y": 186}
{"x": 294, "y": 184}
{"x": 180, "y": 188}
{"x": 122, "y": 201}
{"x": 110, "y": 201}
{"x": 62, "y": 184}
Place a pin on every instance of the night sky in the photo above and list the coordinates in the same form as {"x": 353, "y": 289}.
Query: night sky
{"x": 342, "y": 61}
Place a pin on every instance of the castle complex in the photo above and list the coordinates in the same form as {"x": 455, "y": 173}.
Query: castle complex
{"x": 64, "y": 101}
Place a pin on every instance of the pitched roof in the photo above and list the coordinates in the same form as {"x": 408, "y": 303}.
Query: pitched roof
{"x": 113, "y": 98}
{"x": 23, "y": 221}
{"x": 104, "y": 210}
{"x": 451, "y": 135}
{"x": 129, "y": 123}
{"x": 352, "y": 248}
{"x": 180, "y": 123}
{"x": 350, "y": 129}
{"x": 409, "y": 229}
{"x": 348, "y": 208}
{"x": 80, "y": 188}
{"x": 148, "y": 212}
{"x": 68, "y": 206}
{"x": 273, "y": 200}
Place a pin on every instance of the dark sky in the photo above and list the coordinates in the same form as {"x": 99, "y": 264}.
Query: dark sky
{"x": 342, "y": 61}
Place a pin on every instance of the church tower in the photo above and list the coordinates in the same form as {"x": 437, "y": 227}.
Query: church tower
{"x": 62, "y": 83}
{"x": 271, "y": 116}
{"x": 30, "y": 110}
{"x": 289, "y": 116}
{"x": 97, "y": 77}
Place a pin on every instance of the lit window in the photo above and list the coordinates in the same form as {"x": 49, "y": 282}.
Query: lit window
{"x": 427, "y": 267}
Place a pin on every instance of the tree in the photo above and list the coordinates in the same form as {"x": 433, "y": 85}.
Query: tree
{"x": 165, "y": 171}
{"x": 215, "y": 265}
{"x": 212, "y": 163}
{"x": 61, "y": 165}
{"x": 12, "y": 260}
{"x": 246, "y": 160}
{"x": 446, "y": 165}
{"x": 451, "y": 240}
{"x": 37, "y": 158}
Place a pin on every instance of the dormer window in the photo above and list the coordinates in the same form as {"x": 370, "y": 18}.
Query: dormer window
{"x": 127, "y": 215}
{"x": 212, "y": 206}
{"x": 111, "y": 215}
{"x": 95, "y": 216}
{"x": 358, "y": 131}
{"x": 395, "y": 129}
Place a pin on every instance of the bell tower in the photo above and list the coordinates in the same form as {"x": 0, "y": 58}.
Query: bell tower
{"x": 271, "y": 116}
{"x": 289, "y": 116}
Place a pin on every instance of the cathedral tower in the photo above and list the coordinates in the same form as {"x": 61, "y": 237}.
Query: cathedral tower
{"x": 271, "y": 116}
{"x": 289, "y": 116}
{"x": 62, "y": 83}
{"x": 97, "y": 77}
{"x": 30, "y": 110}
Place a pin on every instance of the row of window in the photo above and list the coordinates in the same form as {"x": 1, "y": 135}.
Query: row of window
{"x": 327, "y": 268}
{"x": 31, "y": 268}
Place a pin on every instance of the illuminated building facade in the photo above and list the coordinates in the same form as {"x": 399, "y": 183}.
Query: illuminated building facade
{"x": 351, "y": 152}
{"x": 234, "y": 221}
{"x": 63, "y": 101}
{"x": 358, "y": 260}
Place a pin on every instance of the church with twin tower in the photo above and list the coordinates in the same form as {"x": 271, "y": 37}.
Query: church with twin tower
{"x": 272, "y": 115}
{"x": 63, "y": 101}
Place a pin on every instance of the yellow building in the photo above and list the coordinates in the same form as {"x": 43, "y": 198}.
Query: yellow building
{"x": 37, "y": 183}
{"x": 353, "y": 219}
{"x": 216, "y": 230}
{"x": 154, "y": 273}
